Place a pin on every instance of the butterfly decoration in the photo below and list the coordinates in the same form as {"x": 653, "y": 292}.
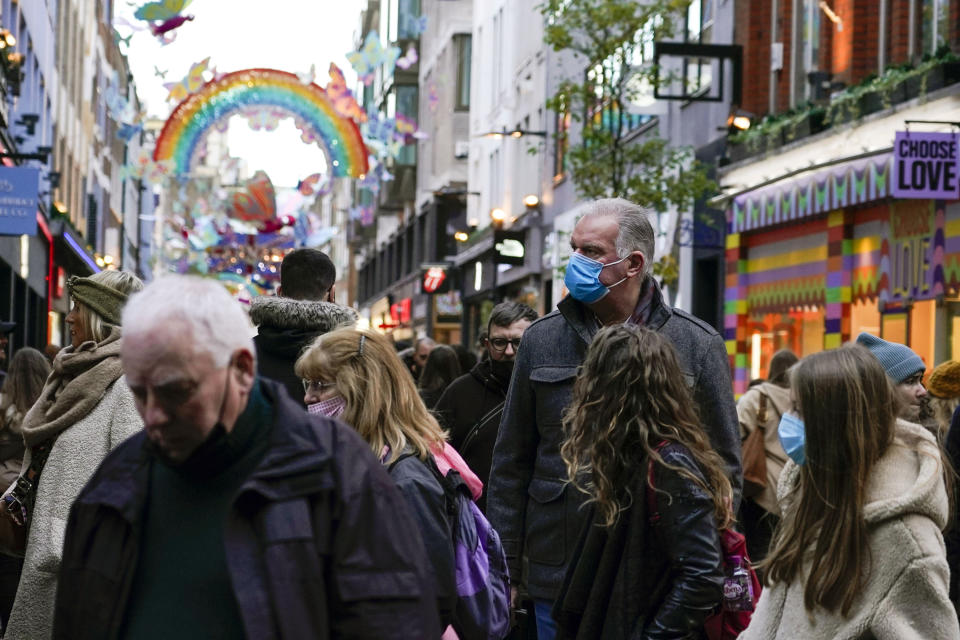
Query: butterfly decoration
{"x": 126, "y": 131}
{"x": 163, "y": 16}
{"x": 343, "y": 100}
{"x": 263, "y": 118}
{"x": 407, "y": 129}
{"x": 409, "y": 58}
{"x": 308, "y": 186}
{"x": 309, "y": 76}
{"x": 433, "y": 97}
{"x": 178, "y": 91}
{"x": 307, "y": 133}
{"x": 160, "y": 74}
{"x": 370, "y": 56}
{"x": 120, "y": 39}
{"x": 415, "y": 25}
{"x": 257, "y": 202}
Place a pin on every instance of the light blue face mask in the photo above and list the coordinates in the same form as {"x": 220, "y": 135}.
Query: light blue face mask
{"x": 793, "y": 437}
{"x": 582, "y": 278}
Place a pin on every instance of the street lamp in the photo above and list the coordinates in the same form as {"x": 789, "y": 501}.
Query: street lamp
{"x": 514, "y": 133}
{"x": 530, "y": 201}
{"x": 497, "y": 217}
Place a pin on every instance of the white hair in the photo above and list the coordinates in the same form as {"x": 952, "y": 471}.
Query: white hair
{"x": 635, "y": 231}
{"x": 218, "y": 324}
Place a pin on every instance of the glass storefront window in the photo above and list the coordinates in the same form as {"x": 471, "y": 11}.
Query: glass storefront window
{"x": 801, "y": 330}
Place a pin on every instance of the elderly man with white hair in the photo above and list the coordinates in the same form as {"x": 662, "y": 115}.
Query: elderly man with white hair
{"x": 233, "y": 513}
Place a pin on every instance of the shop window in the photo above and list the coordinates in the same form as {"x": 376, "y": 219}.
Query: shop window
{"x": 923, "y": 330}
{"x": 935, "y": 25}
{"x": 894, "y": 327}
{"x": 953, "y": 326}
{"x": 801, "y": 330}
{"x": 864, "y": 317}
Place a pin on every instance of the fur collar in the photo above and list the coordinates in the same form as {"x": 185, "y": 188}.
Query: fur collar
{"x": 309, "y": 315}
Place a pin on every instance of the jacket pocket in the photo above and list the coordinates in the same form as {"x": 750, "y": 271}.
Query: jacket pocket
{"x": 552, "y": 387}
{"x": 546, "y": 522}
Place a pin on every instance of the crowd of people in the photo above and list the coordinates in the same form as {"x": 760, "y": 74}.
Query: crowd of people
{"x": 190, "y": 468}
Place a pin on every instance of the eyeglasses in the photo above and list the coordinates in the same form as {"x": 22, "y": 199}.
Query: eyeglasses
{"x": 500, "y": 344}
{"x": 312, "y": 386}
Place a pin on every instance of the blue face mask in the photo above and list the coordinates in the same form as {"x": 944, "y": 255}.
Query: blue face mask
{"x": 583, "y": 278}
{"x": 793, "y": 437}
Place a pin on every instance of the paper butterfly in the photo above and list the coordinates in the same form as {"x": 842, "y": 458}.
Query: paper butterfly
{"x": 308, "y": 185}
{"x": 126, "y": 132}
{"x": 189, "y": 84}
{"x": 263, "y": 118}
{"x": 373, "y": 54}
{"x": 309, "y": 76}
{"x": 415, "y": 25}
{"x": 257, "y": 202}
{"x": 343, "y": 100}
{"x": 409, "y": 59}
{"x": 161, "y": 10}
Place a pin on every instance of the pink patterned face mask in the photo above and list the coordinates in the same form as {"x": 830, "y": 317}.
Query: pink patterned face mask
{"x": 331, "y": 407}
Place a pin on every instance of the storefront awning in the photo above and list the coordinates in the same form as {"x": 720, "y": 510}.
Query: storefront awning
{"x": 841, "y": 184}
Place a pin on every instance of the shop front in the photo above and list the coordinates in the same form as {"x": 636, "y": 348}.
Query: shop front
{"x": 811, "y": 262}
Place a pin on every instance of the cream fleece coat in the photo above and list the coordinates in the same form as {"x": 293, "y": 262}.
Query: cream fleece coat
{"x": 905, "y": 595}
{"x": 77, "y": 453}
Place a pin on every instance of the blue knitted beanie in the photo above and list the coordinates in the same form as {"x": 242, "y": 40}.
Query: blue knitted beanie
{"x": 899, "y": 361}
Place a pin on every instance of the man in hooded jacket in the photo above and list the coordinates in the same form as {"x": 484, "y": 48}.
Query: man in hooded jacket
{"x": 303, "y": 309}
{"x": 471, "y": 407}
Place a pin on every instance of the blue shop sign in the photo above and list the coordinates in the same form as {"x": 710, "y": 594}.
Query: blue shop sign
{"x": 19, "y": 189}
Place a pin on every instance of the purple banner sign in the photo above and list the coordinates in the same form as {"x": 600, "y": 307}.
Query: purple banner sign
{"x": 926, "y": 165}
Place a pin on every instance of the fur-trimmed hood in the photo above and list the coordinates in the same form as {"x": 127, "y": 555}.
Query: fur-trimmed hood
{"x": 307, "y": 315}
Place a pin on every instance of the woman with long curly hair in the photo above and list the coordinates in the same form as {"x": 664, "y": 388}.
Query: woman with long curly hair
{"x": 637, "y": 573}
{"x": 858, "y": 553}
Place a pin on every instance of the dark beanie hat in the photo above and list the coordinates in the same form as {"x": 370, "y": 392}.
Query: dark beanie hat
{"x": 106, "y": 301}
{"x": 899, "y": 361}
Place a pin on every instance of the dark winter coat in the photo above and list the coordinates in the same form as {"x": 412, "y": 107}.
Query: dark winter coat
{"x": 320, "y": 543}
{"x": 529, "y": 501}
{"x": 285, "y": 328}
{"x": 467, "y": 411}
{"x": 428, "y": 503}
{"x": 644, "y": 577}
{"x": 952, "y": 535}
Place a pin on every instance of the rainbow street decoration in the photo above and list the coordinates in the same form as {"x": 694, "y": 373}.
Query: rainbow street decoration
{"x": 180, "y": 140}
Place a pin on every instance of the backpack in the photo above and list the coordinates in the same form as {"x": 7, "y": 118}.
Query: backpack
{"x": 729, "y": 620}
{"x": 483, "y": 583}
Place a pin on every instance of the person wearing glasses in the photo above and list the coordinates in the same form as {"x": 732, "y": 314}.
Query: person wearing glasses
{"x": 471, "y": 407}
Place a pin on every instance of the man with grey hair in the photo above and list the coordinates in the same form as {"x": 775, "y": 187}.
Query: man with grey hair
{"x": 233, "y": 513}
{"x": 530, "y": 502}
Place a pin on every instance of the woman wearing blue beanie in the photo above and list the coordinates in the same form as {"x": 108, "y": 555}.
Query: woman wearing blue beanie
{"x": 904, "y": 368}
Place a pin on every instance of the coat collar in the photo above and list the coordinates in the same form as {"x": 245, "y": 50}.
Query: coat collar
{"x": 577, "y": 313}
{"x": 294, "y": 464}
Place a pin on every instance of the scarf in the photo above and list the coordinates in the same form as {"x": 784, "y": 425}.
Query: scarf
{"x": 79, "y": 380}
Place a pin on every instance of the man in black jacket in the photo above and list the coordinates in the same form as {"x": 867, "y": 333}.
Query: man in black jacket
{"x": 234, "y": 513}
{"x": 303, "y": 309}
{"x": 530, "y": 502}
{"x": 471, "y": 407}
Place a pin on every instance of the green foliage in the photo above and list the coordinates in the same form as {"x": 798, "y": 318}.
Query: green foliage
{"x": 609, "y": 158}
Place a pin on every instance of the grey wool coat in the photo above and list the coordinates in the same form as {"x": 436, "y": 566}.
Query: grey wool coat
{"x": 529, "y": 501}
{"x": 904, "y": 596}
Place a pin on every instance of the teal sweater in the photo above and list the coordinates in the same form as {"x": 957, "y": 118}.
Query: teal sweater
{"x": 182, "y": 584}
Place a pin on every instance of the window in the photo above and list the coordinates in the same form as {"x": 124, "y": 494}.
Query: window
{"x": 699, "y": 73}
{"x": 497, "y": 53}
{"x": 807, "y": 50}
{"x": 935, "y": 25}
{"x": 611, "y": 81}
{"x": 462, "y": 42}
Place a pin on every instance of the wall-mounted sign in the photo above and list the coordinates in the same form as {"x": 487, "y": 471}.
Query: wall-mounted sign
{"x": 400, "y": 311}
{"x": 509, "y": 247}
{"x": 434, "y": 278}
{"x": 19, "y": 188}
{"x": 926, "y": 165}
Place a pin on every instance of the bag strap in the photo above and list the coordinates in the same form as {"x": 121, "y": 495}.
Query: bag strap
{"x": 400, "y": 458}
{"x": 21, "y": 499}
{"x": 762, "y": 411}
{"x": 480, "y": 424}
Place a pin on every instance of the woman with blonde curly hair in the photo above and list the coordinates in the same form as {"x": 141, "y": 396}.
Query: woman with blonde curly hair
{"x": 649, "y": 564}
{"x": 357, "y": 376}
